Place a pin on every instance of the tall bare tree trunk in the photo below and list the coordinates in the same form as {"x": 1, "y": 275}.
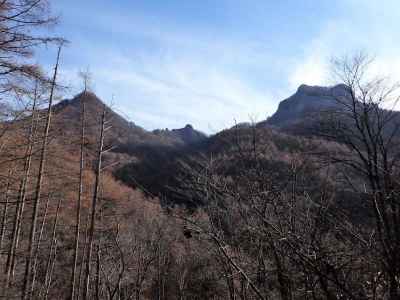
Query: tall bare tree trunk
{"x": 19, "y": 210}
{"x": 38, "y": 189}
{"x": 4, "y": 221}
{"x": 53, "y": 248}
{"x": 78, "y": 292}
{"x": 98, "y": 273}
{"x": 94, "y": 204}
{"x": 22, "y": 196}
{"x": 50, "y": 277}
{"x": 5, "y": 209}
{"x": 38, "y": 245}
{"x": 80, "y": 192}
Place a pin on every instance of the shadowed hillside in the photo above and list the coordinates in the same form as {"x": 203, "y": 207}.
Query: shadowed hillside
{"x": 304, "y": 205}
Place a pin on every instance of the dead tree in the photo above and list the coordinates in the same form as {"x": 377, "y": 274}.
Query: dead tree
{"x": 38, "y": 189}
{"x": 80, "y": 195}
{"x": 82, "y": 268}
{"x": 35, "y": 261}
{"x": 100, "y": 152}
{"x": 19, "y": 21}
{"x": 86, "y": 78}
{"x": 52, "y": 252}
{"x": 5, "y": 209}
{"x": 51, "y": 271}
{"x": 98, "y": 279}
{"x": 22, "y": 192}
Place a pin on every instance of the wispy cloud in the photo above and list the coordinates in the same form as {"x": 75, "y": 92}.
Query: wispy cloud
{"x": 367, "y": 26}
{"x": 166, "y": 72}
{"x": 179, "y": 92}
{"x": 182, "y": 79}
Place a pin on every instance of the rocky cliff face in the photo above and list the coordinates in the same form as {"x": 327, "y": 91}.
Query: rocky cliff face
{"x": 186, "y": 135}
{"x": 306, "y": 101}
{"x": 189, "y": 135}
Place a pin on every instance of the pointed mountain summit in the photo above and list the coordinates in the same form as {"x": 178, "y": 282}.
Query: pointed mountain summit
{"x": 126, "y": 134}
{"x": 71, "y": 108}
{"x": 68, "y": 117}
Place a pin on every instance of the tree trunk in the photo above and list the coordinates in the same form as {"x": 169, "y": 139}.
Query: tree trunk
{"x": 53, "y": 248}
{"x": 5, "y": 209}
{"x": 80, "y": 192}
{"x": 81, "y": 270}
{"x": 19, "y": 210}
{"x": 98, "y": 274}
{"x": 38, "y": 245}
{"x": 38, "y": 189}
{"x": 94, "y": 204}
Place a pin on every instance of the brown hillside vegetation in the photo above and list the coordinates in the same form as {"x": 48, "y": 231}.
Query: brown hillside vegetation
{"x": 272, "y": 215}
{"x": 266, "y": 201}
{"x": 93, "y": 206}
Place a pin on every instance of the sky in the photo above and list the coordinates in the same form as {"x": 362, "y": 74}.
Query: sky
{"x": 214, "y": 63}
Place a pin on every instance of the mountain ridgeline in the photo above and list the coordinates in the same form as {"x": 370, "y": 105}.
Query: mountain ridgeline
{"x": 292, "y": 179}
{"x": 124, "y": 132}
{"x": 157, "y": 161}
{"x": 152, "y": 160}
{"x": 302, "y": 205}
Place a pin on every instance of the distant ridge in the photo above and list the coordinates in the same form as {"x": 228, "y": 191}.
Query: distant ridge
{"x": 125, "y": 131}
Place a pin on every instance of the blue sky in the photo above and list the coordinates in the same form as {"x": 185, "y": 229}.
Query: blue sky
{"x": 211, "y": 63}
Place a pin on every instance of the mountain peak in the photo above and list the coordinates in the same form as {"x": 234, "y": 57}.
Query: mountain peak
{"x": 187, "y": 134}
{"x": 90, "y": 98}
{"x": 88, "y": 94}
{"x": 307, "y": 99}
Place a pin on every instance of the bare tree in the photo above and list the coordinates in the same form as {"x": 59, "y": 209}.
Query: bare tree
{"x": 52, "y": 253}
{"x": 85, "y": 244}
{"x": 276, "y": 224}
{"x": 86, "y": 77}
{"x": 20, "y": 23}
{"x": 367, "y": 124}
{"x": 100, "y": 153}
{"x": 22, "y": 191}
{"x": 35, "y": 261}
{"x": 38, "y": 189}
{"x": 5, "y": 209}
{"x": 80, "y": 192}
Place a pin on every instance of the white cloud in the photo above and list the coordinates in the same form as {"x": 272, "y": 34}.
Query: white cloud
{"x": 366, "y": 26}
{"x": 165, "y": 77}
{"x": 311, "y": 71}
{"x": 170, "y": 94}
{"x": 179, "y": 83}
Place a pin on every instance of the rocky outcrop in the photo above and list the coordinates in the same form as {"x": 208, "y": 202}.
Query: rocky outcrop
{"x": 306, "y": 101}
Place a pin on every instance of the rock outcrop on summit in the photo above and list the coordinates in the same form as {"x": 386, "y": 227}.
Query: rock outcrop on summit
{"x": 307, "y": 101}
